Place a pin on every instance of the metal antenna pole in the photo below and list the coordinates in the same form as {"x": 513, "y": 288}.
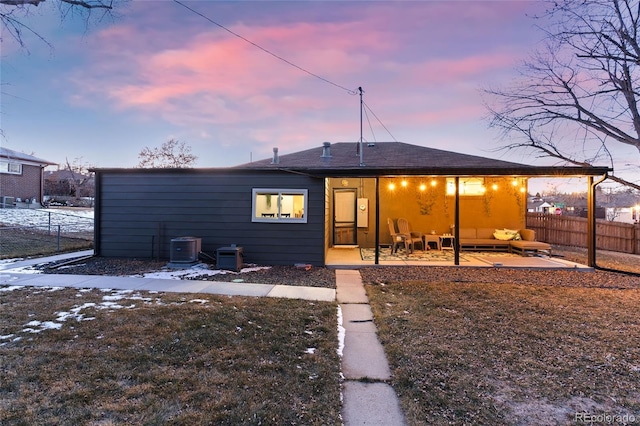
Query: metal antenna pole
{"x": 361, "y": 106}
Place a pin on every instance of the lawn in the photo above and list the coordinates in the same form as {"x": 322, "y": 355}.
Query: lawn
{"x": 111, "y": 357}
{"x": 27, "y": 242}
{"x": 506, "y": 354}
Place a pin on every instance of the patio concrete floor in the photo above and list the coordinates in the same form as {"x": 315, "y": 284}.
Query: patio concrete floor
{"x": 350, "y": 258}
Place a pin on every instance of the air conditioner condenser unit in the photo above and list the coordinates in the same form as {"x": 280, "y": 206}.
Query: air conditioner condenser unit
{"x": 185, "y": 249}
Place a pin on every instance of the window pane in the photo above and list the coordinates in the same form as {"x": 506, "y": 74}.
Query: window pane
{"x": 292, "y": 205}
{"x": 266, "y": 205}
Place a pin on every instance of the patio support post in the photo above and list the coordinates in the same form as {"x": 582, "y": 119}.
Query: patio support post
{"x": 591, "y": 220}
{"x": 591, "y": 223}
{"x": 377, "y": 237}
{"x": 456, "y": 225}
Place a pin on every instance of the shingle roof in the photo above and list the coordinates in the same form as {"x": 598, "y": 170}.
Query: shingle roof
{"x": 387, "y": 158}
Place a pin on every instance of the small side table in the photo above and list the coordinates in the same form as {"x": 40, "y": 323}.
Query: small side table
{"x": 431, "y": 238}
{"x": 447, "y": 242}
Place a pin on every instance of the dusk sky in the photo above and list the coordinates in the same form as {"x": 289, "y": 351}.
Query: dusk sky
{"x": 158, "y": 71}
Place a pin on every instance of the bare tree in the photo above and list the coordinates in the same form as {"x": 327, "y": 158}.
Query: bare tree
{"x": 577, "y": 99}
{"x": 81, "y": 181}
{"x": 172, "y": 154}
{"x": 13, "y": 12}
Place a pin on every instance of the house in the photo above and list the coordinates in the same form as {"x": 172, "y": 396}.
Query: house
{"x": 69, "y": 187}
{"x": 539, "y": 206}
{"x": 21, "y": 179}
{"x": 293, "y": 208}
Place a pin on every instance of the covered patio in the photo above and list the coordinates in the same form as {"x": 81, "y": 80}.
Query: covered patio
{"x": 443, "y": 196}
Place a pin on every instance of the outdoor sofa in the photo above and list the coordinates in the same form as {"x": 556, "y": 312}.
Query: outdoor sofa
{"x": 519, "y": 241}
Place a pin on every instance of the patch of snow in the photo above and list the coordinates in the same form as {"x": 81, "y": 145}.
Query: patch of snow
{"x": 46, "y": 325}
{"x": 20, "y": 269}
{"x": 202, "y": 301}
{"x": 341, "y": 333}
{"x": 11, "y": 261}
{"x": 310, "y": 351}
{"x": 110, "y": 305}
{"x": 78, "y": 220}
{"x": 12, "y": 288}
{"x": 195, "y": 271}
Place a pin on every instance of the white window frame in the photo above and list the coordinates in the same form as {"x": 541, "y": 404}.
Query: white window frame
{"x": 276, "y": 210}
{"x": 10, "y": 167}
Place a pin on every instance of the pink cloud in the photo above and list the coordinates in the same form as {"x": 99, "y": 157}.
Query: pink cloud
{"x": 192, "y": 76}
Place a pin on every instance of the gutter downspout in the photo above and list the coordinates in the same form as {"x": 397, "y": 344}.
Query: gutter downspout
{"x": 41, "y": 195}
{"x": 591, "y": 220}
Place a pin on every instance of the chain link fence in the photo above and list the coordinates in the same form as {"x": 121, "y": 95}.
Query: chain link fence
{"x": 29, "y": 232}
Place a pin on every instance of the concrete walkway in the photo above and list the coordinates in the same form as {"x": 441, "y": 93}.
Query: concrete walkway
{"x": 368, "y": 398}
{"x": 174, "y": 286}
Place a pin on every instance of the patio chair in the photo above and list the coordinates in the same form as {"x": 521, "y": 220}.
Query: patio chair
{"x": 397, "y": 239}
{"x": 413, "y": 236}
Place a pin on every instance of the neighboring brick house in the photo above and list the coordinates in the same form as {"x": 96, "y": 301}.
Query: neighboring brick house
{"x": 21, "y": 178}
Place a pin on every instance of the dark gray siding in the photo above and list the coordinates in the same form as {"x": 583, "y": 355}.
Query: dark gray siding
{"x": 138, "y": 214}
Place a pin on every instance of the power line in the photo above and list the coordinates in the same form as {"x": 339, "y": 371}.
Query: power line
{"x": 379, "y": 121}
{"x": 370, "y": 126}
{"x": 350, "y": 91}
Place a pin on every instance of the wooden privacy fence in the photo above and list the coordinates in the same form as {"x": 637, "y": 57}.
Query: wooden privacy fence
{"x": 572, "y": 231}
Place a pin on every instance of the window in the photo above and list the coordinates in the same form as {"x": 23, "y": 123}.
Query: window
{"x": 279, "y": 205}
{"x": 10, "y": 167}
{"x": 468, "y": 186}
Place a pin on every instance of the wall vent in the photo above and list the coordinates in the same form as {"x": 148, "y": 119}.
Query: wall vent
{"x": 185, "y": 249}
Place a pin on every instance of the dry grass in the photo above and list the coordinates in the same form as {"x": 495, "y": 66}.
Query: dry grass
{"x": 166, "y": 359}
{"x": 508, "y": 354}
{"x": 25, "y": 242}
{"x": 604, "y": 259}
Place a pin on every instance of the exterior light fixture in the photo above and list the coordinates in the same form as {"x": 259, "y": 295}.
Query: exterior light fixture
{"x": 404, "y": 183}
{"x": 392, "y": 186}
{"x": 514, "y": 182}
{"x": 422, "y": 187}
{"x": 434, "y": 182}
{"x": 494, "y": 186}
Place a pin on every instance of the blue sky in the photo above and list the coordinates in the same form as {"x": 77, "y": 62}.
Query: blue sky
{"x": 158, "y": 72}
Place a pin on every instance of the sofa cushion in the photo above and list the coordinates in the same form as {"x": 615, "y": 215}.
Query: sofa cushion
{"x": 467, "y": 233}
{"x": 499, "y": 234}
{"x": 528, "y": 234}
